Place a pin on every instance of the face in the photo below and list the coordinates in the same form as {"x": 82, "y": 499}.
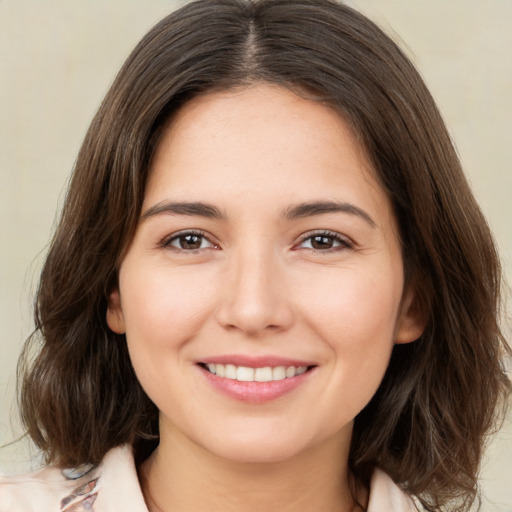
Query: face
{"x": 263, "y": 291}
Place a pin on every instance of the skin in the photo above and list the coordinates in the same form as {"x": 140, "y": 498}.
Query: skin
{"x": 256, "y": 284}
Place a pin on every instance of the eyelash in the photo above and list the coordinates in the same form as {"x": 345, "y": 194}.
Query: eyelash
{"x": 167, "y": 242}
{"x": 343, "y": 242}
{"x": 335, "y": 238}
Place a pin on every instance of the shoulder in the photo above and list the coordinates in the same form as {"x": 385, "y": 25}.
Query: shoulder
{"x": 49, "y": 489}
{"x": 386, "y": 496}
{"x": 110, "y": 486}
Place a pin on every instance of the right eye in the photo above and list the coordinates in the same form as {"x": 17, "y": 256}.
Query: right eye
{"x": 189, "y": 241}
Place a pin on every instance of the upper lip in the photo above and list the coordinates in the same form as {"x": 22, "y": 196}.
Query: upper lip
{"x": 256, "y": 361}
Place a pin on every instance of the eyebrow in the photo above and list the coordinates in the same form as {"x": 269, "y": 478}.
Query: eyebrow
{"x": 301, "y": 210}
{"x": 321, "y": 207}
{"x": 193, "y": 209}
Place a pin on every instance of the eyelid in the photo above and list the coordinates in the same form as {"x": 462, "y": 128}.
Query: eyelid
{"x": 345, "y": 241}
{"x": 166, "y": 241}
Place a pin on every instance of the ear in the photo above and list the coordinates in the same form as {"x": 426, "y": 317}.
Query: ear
{"x": 412, "y": 319}
{"x": 115, "y": 317}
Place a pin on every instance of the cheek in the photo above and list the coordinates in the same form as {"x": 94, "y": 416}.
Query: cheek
{"x": 354, "y": 314}
{"x": 353, "y": 307}
{"x": 163, "y": 309}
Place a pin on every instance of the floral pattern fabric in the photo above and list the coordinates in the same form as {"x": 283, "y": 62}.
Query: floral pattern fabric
{"x": 113, "y": 486}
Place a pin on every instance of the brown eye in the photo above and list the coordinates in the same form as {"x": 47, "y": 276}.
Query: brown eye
{"x": 189, "y": 242}
{"x": 322, "y": 242}
{"x": 325, "y": 242}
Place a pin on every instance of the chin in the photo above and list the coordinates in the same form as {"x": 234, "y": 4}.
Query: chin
{"x": 254, "y": 446}
{"x": 252, "y": 453}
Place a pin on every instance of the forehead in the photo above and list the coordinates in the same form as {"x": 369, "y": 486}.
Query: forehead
{"x": 266, "y": 125}
{"x": 258, "y": 145}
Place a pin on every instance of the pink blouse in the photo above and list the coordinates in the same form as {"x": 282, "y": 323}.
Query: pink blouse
{"x": 113, "y": 486}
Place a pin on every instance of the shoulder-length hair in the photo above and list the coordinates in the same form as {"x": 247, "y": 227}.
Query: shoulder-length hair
{"x": 425, "y": 426}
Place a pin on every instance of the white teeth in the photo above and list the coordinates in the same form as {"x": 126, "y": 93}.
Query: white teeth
{"x": 247, "y": 374}
{"x": 263, "y": 374}
{"x": 219, "y": 370}
{"x": 279, "y": 373}
{"x": 230, "y": 371}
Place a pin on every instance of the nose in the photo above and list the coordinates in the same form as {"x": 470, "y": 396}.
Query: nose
{"x": 254, "y": 299}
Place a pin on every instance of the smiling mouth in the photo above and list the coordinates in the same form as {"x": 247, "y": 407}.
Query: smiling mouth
{"x": 248, "y": 374}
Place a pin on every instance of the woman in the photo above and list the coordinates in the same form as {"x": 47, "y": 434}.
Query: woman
{"x": 271, "y": 285}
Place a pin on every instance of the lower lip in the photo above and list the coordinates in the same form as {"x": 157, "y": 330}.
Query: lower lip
{"x": 255, "y": 392}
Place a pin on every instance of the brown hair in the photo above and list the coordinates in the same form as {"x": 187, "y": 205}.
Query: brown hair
{"x": 426, "y": 424}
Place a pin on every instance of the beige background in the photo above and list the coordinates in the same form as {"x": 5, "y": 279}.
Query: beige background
{"x": 57, "y": 59}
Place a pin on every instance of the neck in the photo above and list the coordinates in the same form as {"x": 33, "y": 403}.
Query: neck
{"x": 181, "y": 476}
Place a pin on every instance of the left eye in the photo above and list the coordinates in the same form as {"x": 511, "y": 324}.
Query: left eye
{"x": 189, "y": 242}
{"x": 324, "y": 242}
